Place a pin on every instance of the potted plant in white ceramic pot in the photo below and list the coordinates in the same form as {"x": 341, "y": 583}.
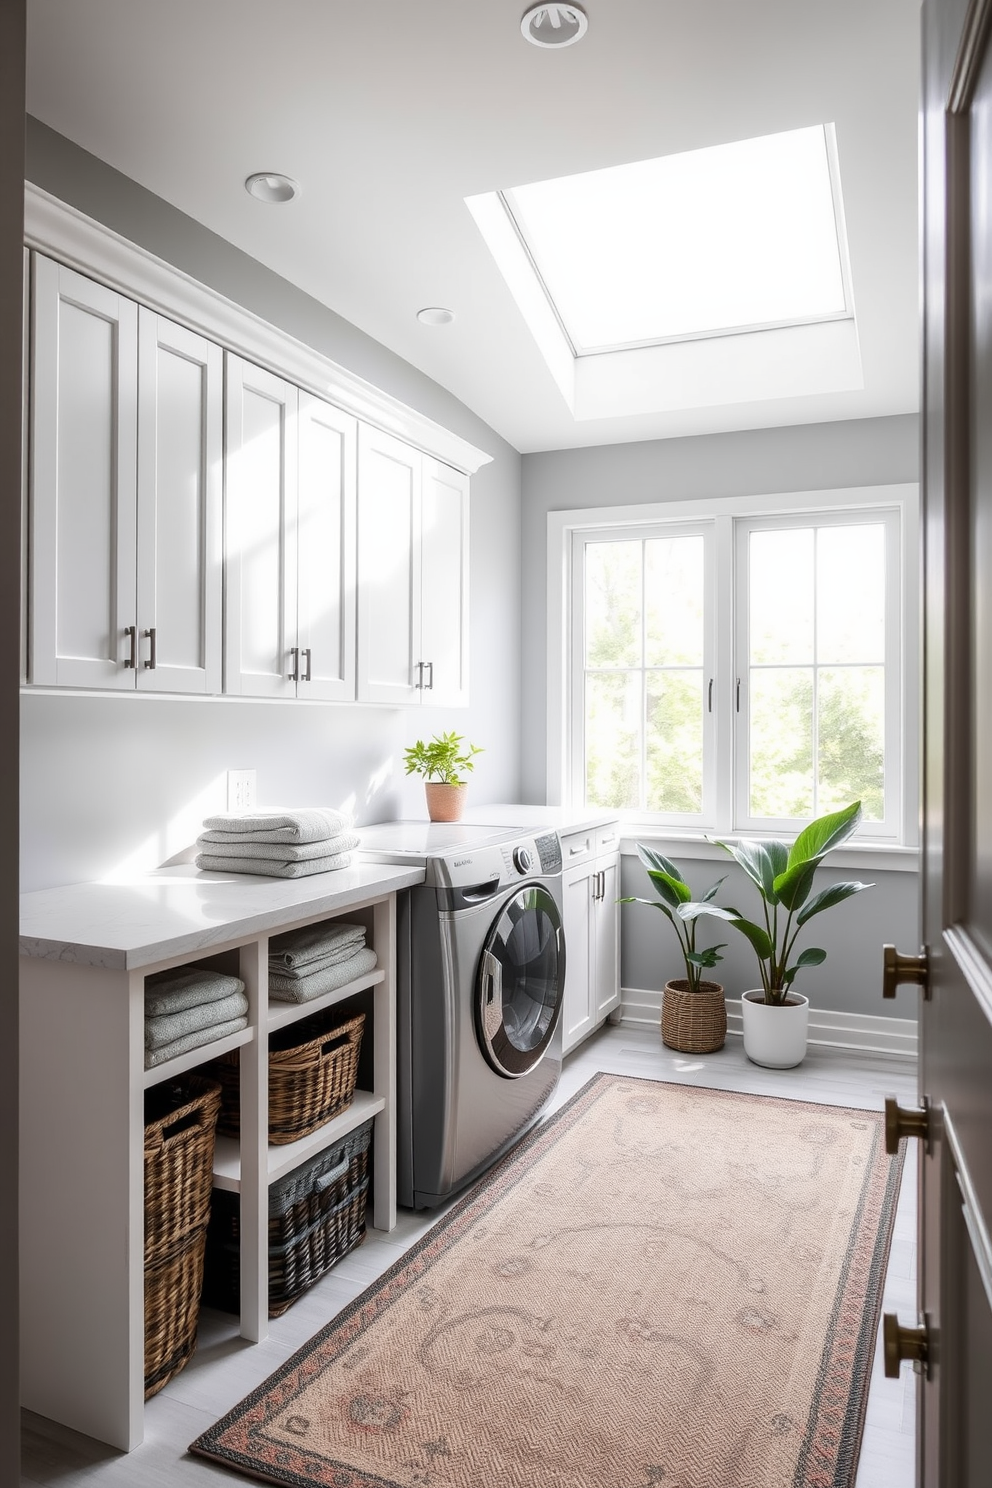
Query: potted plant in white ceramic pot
{"x": 775, "y": 1017}
{"x": 443, "y": 762}
{"x": 693, "y": 1011}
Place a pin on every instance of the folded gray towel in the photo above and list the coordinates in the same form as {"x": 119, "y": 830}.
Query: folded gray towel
{"x": 313, "y": 942}
{"x": 193, "y": 1041}
{"x": 186, "y": 987}
{"x": 168, "y": 1027}
{"x": 229, "y": 845}
{"x": 303, "y": 988}
{"x": 269, "y": 867}
{"x": 333, "y": 958}
{"x": 313, "y": 824}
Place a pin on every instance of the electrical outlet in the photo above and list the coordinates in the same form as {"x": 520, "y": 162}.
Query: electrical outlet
{"x": 240, "y": 790}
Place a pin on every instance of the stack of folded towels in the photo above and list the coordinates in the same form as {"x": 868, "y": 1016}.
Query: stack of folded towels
{"x": 286, "y": 844}
{"x": 188, "y": 1007}
{"x": 317, "y": 959}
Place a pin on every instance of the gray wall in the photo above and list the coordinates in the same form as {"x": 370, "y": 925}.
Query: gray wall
{"x": 109, "y": 782}
{"x": 803, "y": 458}
{"x": 12, "y": 49}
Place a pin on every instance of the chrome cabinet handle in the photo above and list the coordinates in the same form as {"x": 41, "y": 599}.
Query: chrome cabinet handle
{"x": 306, "y": 675}
{"x": 152, "y": 661}
{"x": 131, "y": 632}
{"x": 294, "y": 652}
{"x": 419, "y": 665}
{"x": 429, "y": 686}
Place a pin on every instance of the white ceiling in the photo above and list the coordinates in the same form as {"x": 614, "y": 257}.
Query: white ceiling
{"x": 390, "y": 112}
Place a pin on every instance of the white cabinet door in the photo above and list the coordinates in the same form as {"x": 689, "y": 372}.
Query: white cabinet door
{"x": 261, "y": 652}
{"x": 389, "y": 550}
{"x": 326, "y": 545}
{"x": 606, "y": 974}
{"x": 444, "y": 585}
{"x": 82, "y": 621}
{"x": 180, "y": 436}
{"x": 580, "y": 953}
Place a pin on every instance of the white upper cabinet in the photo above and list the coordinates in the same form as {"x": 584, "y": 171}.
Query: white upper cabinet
{"x": 412, "y": 575}
{"x": 125, "y": 557}
{"x": 290, "y": 502}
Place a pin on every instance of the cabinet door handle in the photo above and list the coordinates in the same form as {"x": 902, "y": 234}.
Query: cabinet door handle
{"x": 131, "y": 632}
{"x": 306, "y": 674}
{"x": 429, "y": 686}
{"x": 420, "y": 675}
{"x": 709, "y": 697}
{"x": 152, "y": 661}
{"x": 294, "y": 675}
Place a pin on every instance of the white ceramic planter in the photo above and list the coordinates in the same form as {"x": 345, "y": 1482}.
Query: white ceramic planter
{"x": 775, "y": 1036}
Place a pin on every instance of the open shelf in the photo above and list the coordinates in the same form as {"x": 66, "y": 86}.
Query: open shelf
{"x": 281, "y": 1013}
{"x": 201, "y": 1055}
{"x": 282, "y": 1160}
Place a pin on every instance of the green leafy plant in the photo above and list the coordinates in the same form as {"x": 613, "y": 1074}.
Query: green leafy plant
{"x": 444, "y": 759}
{"x": 783, "y": 876}
{"x": 677, "y": 905}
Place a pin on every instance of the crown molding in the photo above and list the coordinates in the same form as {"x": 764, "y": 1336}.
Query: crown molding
{"x": 66, "y": 234}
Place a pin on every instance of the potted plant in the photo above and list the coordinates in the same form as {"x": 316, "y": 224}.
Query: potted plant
{"x": 775, "y": 1017}
{"x": 693, "y": 1011}
{"x": 442, "y": 763}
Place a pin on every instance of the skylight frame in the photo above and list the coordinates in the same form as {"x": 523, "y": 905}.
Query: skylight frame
{"x": 581, "y": 352}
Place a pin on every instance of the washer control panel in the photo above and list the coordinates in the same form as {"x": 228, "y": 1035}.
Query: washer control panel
{"x": 523, "y": 860}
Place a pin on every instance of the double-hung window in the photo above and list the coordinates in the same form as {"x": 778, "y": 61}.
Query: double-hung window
{"x": 738, "y": 666}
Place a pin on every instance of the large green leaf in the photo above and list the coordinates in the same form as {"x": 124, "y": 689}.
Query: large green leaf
{"x": 651, "y": 903}
{"x": 712, "y": 890}
{"x": 812, "y": 956}
{"x": 827, "y": 898}
{"x": 665, "y": 876}
{"x": 824, "y": 833}
{"x": 760, "y": 859}
{"x": 793, "y": 886}
{"x": 756, "y": 935}
{"x": 695, "y": 908}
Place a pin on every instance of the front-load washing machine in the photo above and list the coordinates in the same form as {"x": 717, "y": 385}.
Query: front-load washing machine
{"x": 480, "y": 977}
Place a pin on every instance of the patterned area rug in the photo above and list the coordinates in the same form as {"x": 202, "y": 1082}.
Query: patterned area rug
{"x": 660, "y": 1285}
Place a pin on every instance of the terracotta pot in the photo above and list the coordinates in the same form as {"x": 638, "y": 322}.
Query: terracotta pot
{"x": 775, "y": 1034}
{"x": 445, "y": 803}
{"x": 693, "y": 1022}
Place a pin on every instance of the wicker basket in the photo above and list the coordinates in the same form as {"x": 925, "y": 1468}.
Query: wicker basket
{"x": 316, "y": 1216}
{"x": 180, "y": 1123}
{"x": 313, "y": 1067}
{"x": 693, "y": 1022}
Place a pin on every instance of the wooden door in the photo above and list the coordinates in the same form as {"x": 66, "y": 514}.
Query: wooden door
{"x": 326, "y": 595}
{"x": 389, "y": 590}
{"x": 444, "y": 585}
{"x": 82, "y": 627}
{"x": 180, "y": 490}
{"x": 955, "y": 1430}
{"x": 261, "y": 650}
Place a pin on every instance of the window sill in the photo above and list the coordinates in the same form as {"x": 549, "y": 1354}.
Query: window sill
{"x": 871, "y": 857}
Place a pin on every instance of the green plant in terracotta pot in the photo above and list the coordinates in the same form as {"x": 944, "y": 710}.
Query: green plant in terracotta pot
{"x": 443, "y": 762}
{"x": 693, "y": 1011}
{"x": 776, "y": 1017}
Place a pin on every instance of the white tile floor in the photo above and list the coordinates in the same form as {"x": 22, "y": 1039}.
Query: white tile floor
{"x": 225, "y": 1367}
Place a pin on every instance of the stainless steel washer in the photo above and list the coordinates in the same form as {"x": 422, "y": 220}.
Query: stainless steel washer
{"x": 480, "y": 976}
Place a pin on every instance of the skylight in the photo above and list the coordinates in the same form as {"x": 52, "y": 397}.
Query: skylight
{"x": 710, "y": 241}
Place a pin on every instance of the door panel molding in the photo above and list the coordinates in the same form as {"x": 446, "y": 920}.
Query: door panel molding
{"x": 973, "y": 964}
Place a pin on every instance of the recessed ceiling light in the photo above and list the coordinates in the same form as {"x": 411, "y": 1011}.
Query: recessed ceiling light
{"x": 270, "y": 186}
{"x": 435, "y": 315}
{"x": 554, "y": 25}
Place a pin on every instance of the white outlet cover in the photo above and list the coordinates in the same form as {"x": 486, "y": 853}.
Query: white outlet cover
{"x": 240, "y": 790}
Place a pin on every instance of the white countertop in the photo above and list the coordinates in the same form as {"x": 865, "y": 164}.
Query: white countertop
{"x": 564, "y": 819}
{"x": 178, "y": 911}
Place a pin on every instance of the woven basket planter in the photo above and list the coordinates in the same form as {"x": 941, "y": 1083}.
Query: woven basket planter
{"x": 693, "y": 1022}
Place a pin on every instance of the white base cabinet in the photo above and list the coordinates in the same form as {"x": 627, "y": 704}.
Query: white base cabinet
{"x": 82, "y": 1123}
{"x": 591, "y": 916}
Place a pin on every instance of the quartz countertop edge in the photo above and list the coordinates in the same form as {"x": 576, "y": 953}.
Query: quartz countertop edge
{"x": 180, "y": 911}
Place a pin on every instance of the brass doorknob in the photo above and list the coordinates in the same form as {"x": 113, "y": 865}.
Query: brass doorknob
{"x": 898, "y": 968}
{"x": 901, "y": 1122}
{"x": 899, "y": 1344}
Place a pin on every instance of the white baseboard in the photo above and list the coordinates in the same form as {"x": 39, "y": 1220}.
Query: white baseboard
{"x": 843, "y": 1030}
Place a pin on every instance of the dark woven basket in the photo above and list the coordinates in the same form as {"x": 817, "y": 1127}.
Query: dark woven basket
{"x": 693, "y": 1022}
{"x": 316, "y": 1216}
{"x": 313, "y": 1067}
{"x": 173, "y": 1284}
{"x": 180, "y": 1125}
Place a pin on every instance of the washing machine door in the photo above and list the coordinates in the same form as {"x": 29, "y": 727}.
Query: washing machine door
{"x": 520, "y": 982}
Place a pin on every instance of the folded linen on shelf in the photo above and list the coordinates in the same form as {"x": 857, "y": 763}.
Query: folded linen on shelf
{"x": 228, "y": 845}
{"x": 167, "y": 1027}
{"x": 313, "y": 824}
{"x": 193, "y": 1041}
{"x": 333, "y": 958}
{"x": 172, "y": 991}
{"x": 271, "y": 867}
{"x": 328, "y": 979}
{"x": 313, "y": 943}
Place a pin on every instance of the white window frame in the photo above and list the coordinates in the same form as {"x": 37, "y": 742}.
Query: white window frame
{"x": 568, "y": 531}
